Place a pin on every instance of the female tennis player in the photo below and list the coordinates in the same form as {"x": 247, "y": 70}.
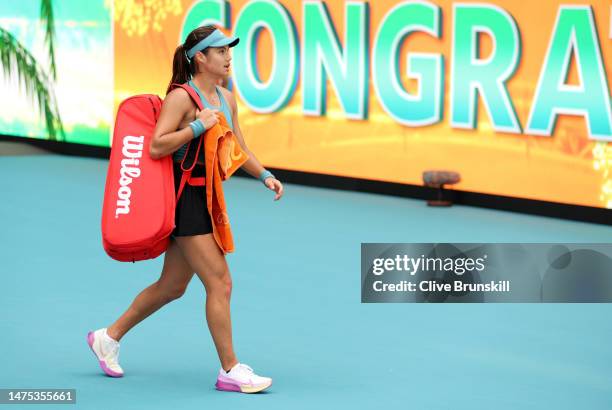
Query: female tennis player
{"x": 203, "y": 62}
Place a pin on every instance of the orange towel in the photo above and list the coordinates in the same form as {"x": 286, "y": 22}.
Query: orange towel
{"x": 223, "y": 156}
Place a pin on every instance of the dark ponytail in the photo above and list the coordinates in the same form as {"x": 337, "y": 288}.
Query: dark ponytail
{"x": 182, "y": 68}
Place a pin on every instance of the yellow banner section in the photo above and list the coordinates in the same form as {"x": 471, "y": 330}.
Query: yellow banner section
{"x": 570, "y": 165}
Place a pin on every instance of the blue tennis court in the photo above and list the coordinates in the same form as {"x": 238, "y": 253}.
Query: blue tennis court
{"x": 296, "y": 308}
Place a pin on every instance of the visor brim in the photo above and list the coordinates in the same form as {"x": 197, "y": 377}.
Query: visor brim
{"x": 227, "y": 41}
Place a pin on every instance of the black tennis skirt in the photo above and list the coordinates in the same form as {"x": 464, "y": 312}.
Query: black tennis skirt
{"x": 191, "y": 216}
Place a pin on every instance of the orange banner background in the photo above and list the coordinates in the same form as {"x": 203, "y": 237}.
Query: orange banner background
{"x": 567, "y": 167}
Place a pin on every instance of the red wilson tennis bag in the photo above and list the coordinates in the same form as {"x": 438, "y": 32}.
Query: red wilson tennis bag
{"x": 139, "y": 199}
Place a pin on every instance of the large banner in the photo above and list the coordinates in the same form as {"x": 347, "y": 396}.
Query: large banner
{"x": 513, "y": 95}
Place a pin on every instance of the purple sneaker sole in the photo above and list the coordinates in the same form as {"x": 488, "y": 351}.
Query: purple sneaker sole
{"x": 225, "y": 386}
{"x": 105, "y": 369}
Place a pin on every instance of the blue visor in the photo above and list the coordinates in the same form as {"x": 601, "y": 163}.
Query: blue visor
{"x": 214, "y": 39}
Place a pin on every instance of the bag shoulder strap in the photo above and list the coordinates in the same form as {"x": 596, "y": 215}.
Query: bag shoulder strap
{"x": 192, "y": 93}
{"x": 188, "y": 168}
{"x": 186, "y": 171}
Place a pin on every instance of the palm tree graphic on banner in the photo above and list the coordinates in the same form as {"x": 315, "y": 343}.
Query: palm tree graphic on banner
{"x": 17, "y": 60}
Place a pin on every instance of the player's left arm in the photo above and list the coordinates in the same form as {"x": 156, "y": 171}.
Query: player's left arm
{"x": 252, "y": 166}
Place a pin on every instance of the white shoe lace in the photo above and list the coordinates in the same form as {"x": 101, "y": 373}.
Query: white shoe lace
{"x": 250, "y": 374}
{"x": 112, "y": 357}
{"x": 246, "y": 368}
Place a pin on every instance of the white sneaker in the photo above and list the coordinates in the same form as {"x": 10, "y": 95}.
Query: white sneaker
{"x": 242, "y": 378}
{"x": 106, "y": 350}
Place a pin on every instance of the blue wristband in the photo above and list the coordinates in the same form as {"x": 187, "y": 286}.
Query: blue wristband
{"x": 265, "y": 174}
{"x": 197, "y": 126}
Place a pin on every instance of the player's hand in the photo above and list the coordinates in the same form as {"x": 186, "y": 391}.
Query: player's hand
{"x": 276, "y": 186}
{"x": 208, "y": 117}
